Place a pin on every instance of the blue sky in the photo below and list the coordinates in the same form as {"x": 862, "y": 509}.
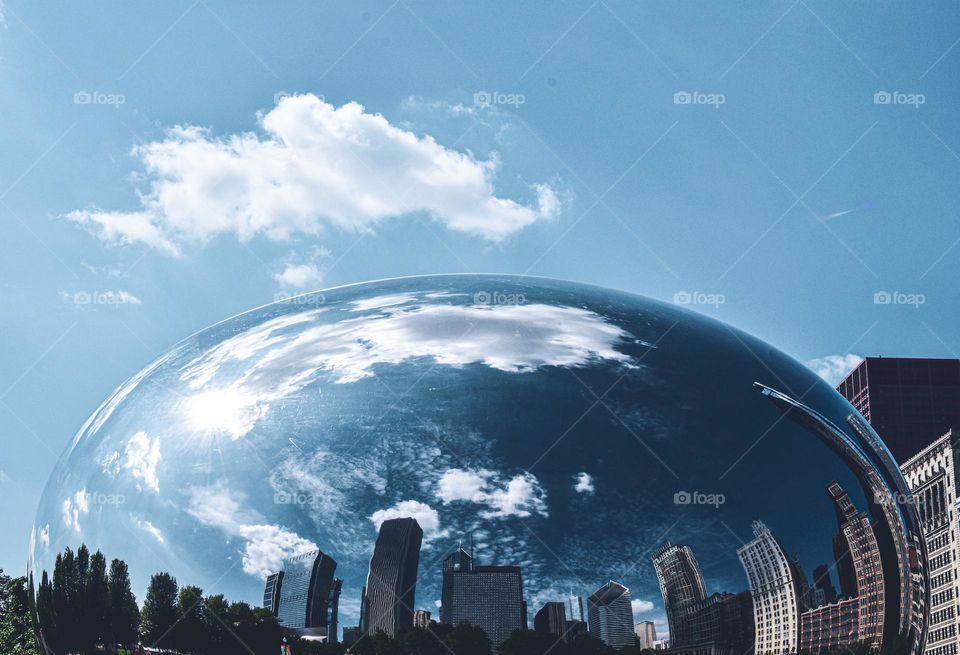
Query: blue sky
{"x": 791, "y": 168}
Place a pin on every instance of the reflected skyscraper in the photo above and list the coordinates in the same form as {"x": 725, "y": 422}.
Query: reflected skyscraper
{"x": 681, "y": 585}
{"x": 551, "y": 619}
{"x": 306, "y": 593}
{"x": 774, "y": 593}
{"x": 646, "y": 634}
{"x": 490, "y": 597}
{"x": 391, "y": 587}
{"x": 271, "y": 592}
{"x": 610, "y": 615}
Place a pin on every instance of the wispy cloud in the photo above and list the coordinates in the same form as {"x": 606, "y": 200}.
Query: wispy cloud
{"x": 833, "y": 368}
{"x": 315, "y": 166}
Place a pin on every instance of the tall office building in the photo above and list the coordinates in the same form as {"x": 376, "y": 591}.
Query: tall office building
{"x": 551, "y": 619}
{"x": 774, "y": 593}
{"x": 646, "y": 633}
{"x": 490, "y": 597}
{"x": 821, "y": 581}
{"x": 271, "y": 592}
{"x": 421, "y": 619}
{"x": 392, "y": 578}
{"x": 932, "y": 476}
{"x": 610, "y": 616}
{"x": 306, "y": 594}
{"x": 681, "y": 585}
{"x": 909, "y": 402}
{"x": 575, "y": 609}
{"x": 859, "y": 565}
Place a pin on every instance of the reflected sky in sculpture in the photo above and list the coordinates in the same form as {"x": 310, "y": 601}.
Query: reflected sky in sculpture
{"x": 554, "y": 426}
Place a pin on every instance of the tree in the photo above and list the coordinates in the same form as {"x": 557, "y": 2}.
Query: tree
{"x": 46, "y": 624}
{"x": 216, "y": 612}
{"x": 123, "y": 616}
{"x": 189, "y": 634}
{"x": 16, "y": 631}
{"x": 159, "y": 613}
{"x": 95, "y": 600}
{"x": 526, "y": 642}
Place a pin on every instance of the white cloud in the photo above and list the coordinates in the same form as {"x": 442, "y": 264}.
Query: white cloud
{"x": 314, "y": 166}
{"x": 583, "y": 483}
{"x": 141, "y": 456}
{"x": 73, "y": 507}
{"x": 44, "y": 535}
{"x": 265, "y": 545}
{"x": 299, "y": 276}
{"x": 833, "y": 368}
{"x": 640, "y": 606}
{"x": 152, "y": 530}
{"x": 270, "y": 361}
{"x": 4, "y": 478}
{"x": 425, "y": 515}
{"x": 520, "y": 496}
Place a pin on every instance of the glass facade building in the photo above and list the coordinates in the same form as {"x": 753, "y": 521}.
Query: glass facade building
{"x": 309, "y": 594}
{"x": 610, "y": 615}
{"x": 392, "y": 578}
{"x": 271, "y": 592}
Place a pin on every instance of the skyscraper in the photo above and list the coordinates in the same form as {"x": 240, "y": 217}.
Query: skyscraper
{"x": 681, "y": 584}
{"x": 575, "y": 609}
{"x": 551, "y": 619}
{"x": 646, "y": 634}
{"x": 860, "y": 565}
{"x": 774, "y": 593}
{"x": 933, "y": 479}
{"x": 271, "y": 592}
{"x": 392, "y": 578}
{"x": 490, "y": 597}
{"x": 306, "y": 593}
{"x": 821, "y": 580}
{"x": 909, "y": 402}
{"x": 610, "y": 616}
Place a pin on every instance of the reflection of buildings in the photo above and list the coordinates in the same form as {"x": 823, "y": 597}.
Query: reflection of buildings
{"x": 859, "y": 615}
{"x": 897, "y": 527}
{"x": 823, "y": 585}
{"x": 646, "y": 634}
{"x": 858, "y": 564}
{"x": 421, "y": 619}
{"x": 932, "y": 476}
{"x": 610, "y": 615}
{"x": 271, "y": 592}
{"x": 309, "y": 595}
{"x": 490, "y": 597}
{"x": 909, "y": 402}
{"x": 701, "y": 624}
{"x": 551, "y": 619}
{"x": 681, "y": 585}
{"x": 774, "y": 593}
{"x": 392, "y": 579}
